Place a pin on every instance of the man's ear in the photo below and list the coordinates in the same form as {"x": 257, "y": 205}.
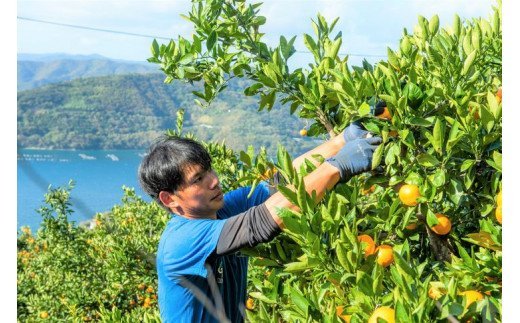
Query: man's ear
{"x": 168, "y": 199}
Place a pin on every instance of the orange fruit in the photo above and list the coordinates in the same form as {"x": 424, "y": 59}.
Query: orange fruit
{"x": 444, "y": 225}
{"x": 386, "y": 115}
{"x": 408, "y": 194}
{"x": 303, "y": 132}
{"x": 385, "y": 255}
{"x": 44, "y": 315}
{"x": 498, "y": 214}
{"x": 345, "y": 317}
{"x": 250, "y": 304}
{"x": 370, "y": 245}
{"x": 147, "y": 302}
{"x": 392, "y": 133}
{"x": 471, "y": 296}
{"x": 474, "y": 109}
{"x": 499, "y": 95}
{"x": 411, "y": 226}
{"x": 436, "y": 290}
{"x": 371, "y": 189}
{"x": 149, "y": 289}
{"x": 384, "y": 312}
{"x": 141, "y": 286}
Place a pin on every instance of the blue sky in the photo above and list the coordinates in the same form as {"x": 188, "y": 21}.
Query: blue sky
{"x": 368, "y": 26}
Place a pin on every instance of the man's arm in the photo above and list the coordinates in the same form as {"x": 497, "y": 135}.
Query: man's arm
{"x": 262, "y": 223}
{"x": 331, "y": 147}
{"x": 327, "y": 149}
{"x": 354, "y": 158}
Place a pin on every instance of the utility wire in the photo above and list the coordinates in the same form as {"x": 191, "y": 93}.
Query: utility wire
{"x": 91, "y": 28}
{"x": 152, "y": 36}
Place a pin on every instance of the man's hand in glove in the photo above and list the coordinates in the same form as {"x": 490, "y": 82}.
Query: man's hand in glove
{"x": 356, "y": 130}
{"x": 355, "y": 157}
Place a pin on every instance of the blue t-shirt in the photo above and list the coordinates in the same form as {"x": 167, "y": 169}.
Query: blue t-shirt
{"x": 184, "y": 249}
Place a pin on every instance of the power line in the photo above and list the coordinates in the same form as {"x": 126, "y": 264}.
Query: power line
{"x": 155, "y": 37}
{"x": 91, "y": 28}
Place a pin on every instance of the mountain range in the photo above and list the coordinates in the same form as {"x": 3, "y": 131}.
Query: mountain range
{"x": 92, "y": 102}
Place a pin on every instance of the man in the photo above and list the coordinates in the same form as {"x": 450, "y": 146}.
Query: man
{"x": 201, "y": 278}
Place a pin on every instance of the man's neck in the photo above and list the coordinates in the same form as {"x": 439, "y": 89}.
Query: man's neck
{"x": 190, "y": 216}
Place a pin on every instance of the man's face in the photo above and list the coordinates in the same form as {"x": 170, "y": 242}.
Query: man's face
{"x": 201, "y": 195}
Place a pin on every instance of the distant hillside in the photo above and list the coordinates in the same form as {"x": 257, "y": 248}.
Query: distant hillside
{"x": 35, "y": 70}
{"x": 129, "y": 111}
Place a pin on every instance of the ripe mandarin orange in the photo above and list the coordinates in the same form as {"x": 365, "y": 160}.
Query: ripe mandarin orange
{"x": 385, "y": 255}
{"x": 250, "y": 304}
{"x": 436, "y": 290}
{"x": 471, "y": 296}
{"x": 408, "y": 194}
{"x": 499, "y": 95}
{"x": 370, "y": 245}
{"x": 498, "y": 214}
{"x": 303, "y": 132}
{"x": 371, "y": 189}
{"x": 344, "y": 317}
{"x": 386, "y": 115}
{"x": 384, "y": 312}
{"x": 444, "y": 225}
{"x": 411, "y": 226}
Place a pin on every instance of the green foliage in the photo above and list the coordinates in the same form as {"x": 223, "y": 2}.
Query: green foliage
{"x": 73, "y": 273}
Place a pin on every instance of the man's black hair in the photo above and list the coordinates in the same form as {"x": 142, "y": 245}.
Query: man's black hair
{"x": 163, "y": 168}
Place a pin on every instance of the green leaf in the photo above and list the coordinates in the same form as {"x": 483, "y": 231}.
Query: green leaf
{"x": 494, "y": 106}
{"x": 155, "y": 48}
{"x": 404, "y": 267}
{"x": 378, "y": 154}
{"x": 431, "y": 219}
{"x": 483, "y": 239}
{"x": 416, "y": 121}
{"x": 434, "y": 25}
{"x": 455, "y": 191}
{"x": 406, "y": 46}
{"x": 302, "y": 304}
{"x": 290, "y": 195}
{"x": 468, "y": 62}
{"x": 487, "y": 119}
{"x": 310, "y": 43}
{"x": 438, "y": 179}
{"x": 364, "y": 109}
{"x": 438, "y": 136}
{"x": 212, "y": 39}
{"x": 261, "y": 297}
{"x": 392, "y": 58}
{"x": 253, "y": 89}
{"x": 427, "y": 160}
{"x": 364, "y": 282}
{"x": 497, "y": 158}
{"x": 467, "y": 164}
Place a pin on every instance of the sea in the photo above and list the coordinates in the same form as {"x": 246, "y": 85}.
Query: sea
{"x": 98, "y": 176}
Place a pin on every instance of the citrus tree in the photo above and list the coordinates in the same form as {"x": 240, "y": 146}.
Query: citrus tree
{"x": 418, "y": 238}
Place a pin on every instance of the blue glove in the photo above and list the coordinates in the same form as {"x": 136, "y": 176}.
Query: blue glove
{"x": 354, "y": 131}
{"x": 355, "y": 157}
